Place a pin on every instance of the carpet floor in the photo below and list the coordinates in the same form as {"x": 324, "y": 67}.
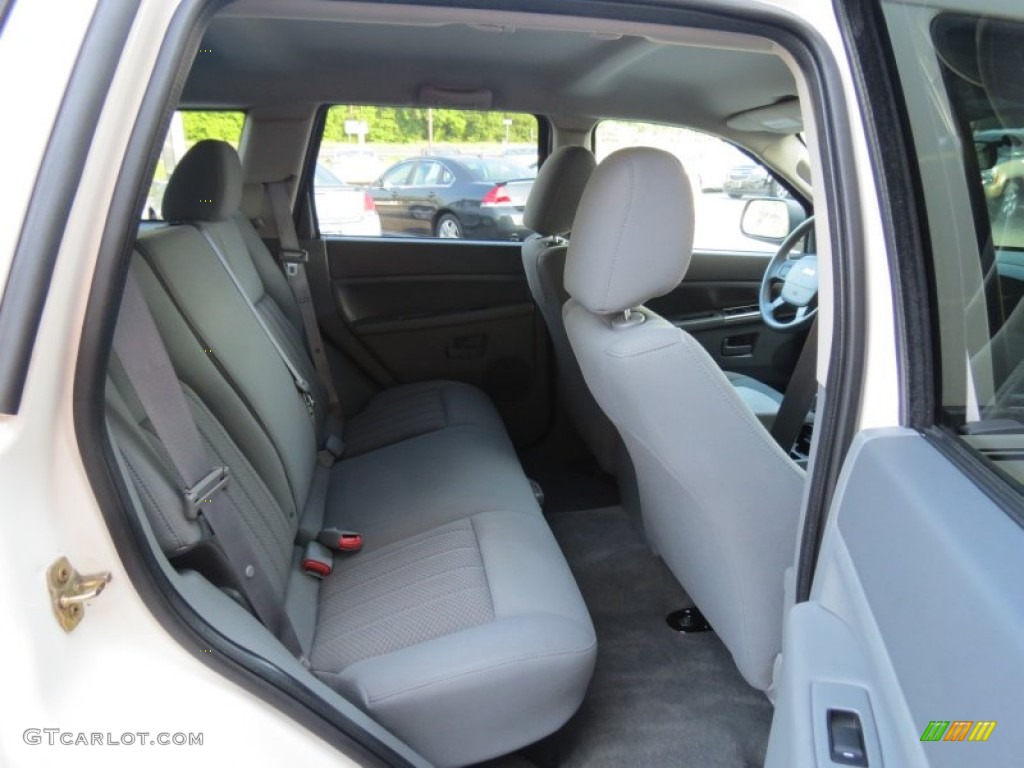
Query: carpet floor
{"x": 658, "y": 698}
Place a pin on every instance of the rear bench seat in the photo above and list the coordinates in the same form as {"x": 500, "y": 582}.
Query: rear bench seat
{"x": 458, "y": 625}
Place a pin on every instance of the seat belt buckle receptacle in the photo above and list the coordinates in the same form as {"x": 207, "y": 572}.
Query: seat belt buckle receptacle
{"x": 341, "y": 541}
{"x": 334, "y": 448}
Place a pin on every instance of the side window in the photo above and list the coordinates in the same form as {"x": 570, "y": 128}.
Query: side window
{"x": 723, "y": 178}
{"x": 971, "y": 159}
{"x": 189, "y": 127}
{"x": 412, "y": 172}
{"x": 399, "y": 176}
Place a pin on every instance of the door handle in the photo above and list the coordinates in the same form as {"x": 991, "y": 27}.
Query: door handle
{"x": 468, "y": 346}
{"x": 739, "y": 346}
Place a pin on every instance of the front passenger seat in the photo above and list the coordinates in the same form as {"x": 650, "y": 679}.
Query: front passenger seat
{"x": 719, "y": 498}
{"x": 549, "y": 212}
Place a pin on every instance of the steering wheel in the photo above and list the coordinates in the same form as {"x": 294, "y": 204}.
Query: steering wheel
{"x": 799, "y": 279}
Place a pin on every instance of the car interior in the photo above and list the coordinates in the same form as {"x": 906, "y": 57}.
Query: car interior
{"x": 524, "y": 503}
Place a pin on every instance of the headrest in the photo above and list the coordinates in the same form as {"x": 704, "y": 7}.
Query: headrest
{"x": 1000, "y": 60}
{"x": 633, "y": 235}
{"x": 206, "y": 185}
{"x": 557, "y": 190}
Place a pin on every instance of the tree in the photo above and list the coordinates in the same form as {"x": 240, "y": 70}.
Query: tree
{"x": 199, "y": 125}
{"x": 407, "y": 125}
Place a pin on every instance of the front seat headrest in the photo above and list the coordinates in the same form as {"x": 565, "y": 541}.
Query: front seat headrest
{"x": 557, "y": 190}
{"x": 206, "y": 185}
{"x": 633, "y": 235}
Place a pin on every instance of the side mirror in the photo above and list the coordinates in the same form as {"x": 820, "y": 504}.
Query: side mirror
{"x": 770, "y": 218}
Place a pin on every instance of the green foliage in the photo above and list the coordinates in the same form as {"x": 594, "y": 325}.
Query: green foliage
{"x": 406, "y": 125}
{"x": 226, "y": 126}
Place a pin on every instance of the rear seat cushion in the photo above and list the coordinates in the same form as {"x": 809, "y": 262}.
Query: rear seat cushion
{"x": 414, "y": 409}
{"x": 469, "y": 640}
{"x": 412, "y": 486}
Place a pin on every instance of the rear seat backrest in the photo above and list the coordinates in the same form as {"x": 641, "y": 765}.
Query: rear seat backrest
{"x": 201, "y": 357}
{"x": 269, "y": 529}
{"x": 211, "y": 174}
{"x": 189, "y": 273}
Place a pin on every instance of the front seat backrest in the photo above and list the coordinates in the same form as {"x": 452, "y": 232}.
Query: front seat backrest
{"x": 549, "y": 213}
{"x": 719, "y": 498}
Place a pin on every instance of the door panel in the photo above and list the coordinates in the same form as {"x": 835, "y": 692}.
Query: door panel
{"x": 717, "y": 304}
{"x": 448, "y": 310}
{"x": 917, "y": 602}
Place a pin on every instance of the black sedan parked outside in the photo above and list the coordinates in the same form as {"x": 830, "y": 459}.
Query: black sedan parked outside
{"x": 478, "y": 198}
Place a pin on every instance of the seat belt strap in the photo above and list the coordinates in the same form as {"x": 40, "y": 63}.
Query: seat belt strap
{"x": 145, "y": 361}
{"x": 799, "y": 395}
{"x": 300, "y": 381}
{"x": 293, "y": 261}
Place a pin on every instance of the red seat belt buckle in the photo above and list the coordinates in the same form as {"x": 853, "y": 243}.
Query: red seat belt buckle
{"x": 341, "y": 541}
{"x": 317, "y": 560}
{"x": 350, "y": 542}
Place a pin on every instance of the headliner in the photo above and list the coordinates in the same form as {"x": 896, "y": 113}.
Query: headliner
{"x": 264, "y": 54}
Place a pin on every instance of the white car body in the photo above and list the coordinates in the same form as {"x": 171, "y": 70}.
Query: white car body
{"x": 121, "y": 671}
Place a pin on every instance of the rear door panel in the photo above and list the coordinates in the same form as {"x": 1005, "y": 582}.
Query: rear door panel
{"x": 438, "y": 309}
{"x": 918, "y": 603}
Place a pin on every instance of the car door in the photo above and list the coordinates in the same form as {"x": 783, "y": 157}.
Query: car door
{"x": 421, "y": 197}
{"x": 906, "y": 647}
{"x": 717, "y": 303}
{"x": 424, "y": 308}
{"x": 389, "y": 195}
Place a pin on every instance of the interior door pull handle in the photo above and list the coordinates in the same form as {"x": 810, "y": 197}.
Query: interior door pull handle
{"x": 738, "y": 346}
{"x": 470, "y": 345}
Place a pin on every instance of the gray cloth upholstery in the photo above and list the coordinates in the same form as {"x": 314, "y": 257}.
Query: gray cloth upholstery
{"x": 404, "y": 489}
{"x": 633, "y": 235}
{"x": 557, "y": 190}
{"x": 518, "y": 650}
{"x": 720, "y": 500}
{"x": 458, "y": 625}
{"x": 758, "y": 396}
{"x": 411, "y": 410}
{"x": 401, "y": 412}
{"x": 550, "y": 211}
{"x": 206, "y": 185}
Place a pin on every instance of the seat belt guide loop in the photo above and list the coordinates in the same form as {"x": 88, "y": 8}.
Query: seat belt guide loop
{"x": 293, "y": 255}
{"x": 291, "y": 258}
{"x": 202, "y": 492}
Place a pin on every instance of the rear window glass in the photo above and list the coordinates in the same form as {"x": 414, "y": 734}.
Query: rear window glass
{"x": 421, "y": 172}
